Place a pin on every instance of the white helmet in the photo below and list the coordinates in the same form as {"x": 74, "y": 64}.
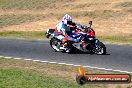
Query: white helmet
{"x": 67, "y": 19}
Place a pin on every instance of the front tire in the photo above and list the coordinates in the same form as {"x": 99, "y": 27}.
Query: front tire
{"x": 99, "y": 48}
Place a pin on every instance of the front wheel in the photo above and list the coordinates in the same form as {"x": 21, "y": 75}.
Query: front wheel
{"x": 99, "y": 48}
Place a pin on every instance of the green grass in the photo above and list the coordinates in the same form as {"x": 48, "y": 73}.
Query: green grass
{"x": 8, "y": 20}
{"x": 28, "y": 74}
{"x": 16, "y": 78}
{"x": 116, "y": 39}
{"x": 40, "y": 35}
{"x": 27, "y": 35}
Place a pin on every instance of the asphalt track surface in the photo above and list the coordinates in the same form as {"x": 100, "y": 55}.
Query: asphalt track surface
{"x": 119, "y": 57}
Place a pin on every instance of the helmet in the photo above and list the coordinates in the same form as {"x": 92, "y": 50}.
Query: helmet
{"x": 67, "y": 19}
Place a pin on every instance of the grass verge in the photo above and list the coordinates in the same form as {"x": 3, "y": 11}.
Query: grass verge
{"x": 16, "y": 78}
{"x": 116, "y": 39}
{"x": 28, "y": 74}
{"x": 27, "y": 35}
{"x": 40, "y": 35}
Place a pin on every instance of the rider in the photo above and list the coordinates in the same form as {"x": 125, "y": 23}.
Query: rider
{"x": 63, "y": 31}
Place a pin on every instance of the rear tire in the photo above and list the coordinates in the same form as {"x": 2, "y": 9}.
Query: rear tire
{"x": 55, "y": 44}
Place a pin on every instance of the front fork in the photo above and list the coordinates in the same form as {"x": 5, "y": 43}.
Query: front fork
{"x": 96, "y": 41}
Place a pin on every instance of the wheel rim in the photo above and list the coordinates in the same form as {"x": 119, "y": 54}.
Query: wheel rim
{"x": 55, "y": 45}
{"x": 99, "y": 49}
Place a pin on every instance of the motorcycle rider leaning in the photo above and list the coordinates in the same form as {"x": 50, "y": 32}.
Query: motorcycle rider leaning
{"x": 64, "y": 30}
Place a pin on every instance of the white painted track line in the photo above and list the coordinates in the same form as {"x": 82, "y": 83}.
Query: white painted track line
{"x": 28, "y": 59}
{"x": 8, "y": 57}
{"x": 17, "y": 58}
{"x": 90, "y": 67}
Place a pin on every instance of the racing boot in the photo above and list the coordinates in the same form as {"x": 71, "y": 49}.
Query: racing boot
{"x": 67, "y": 50}
{"x": 63, "y": 46}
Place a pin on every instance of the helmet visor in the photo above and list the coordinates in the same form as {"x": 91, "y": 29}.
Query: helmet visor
{"x": 69, "y": 22}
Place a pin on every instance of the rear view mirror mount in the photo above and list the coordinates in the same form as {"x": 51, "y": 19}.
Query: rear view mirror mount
{"x": 90, "y": 23}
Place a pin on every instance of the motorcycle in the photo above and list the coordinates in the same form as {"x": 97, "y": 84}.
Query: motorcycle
{"x": 88, "y": 42}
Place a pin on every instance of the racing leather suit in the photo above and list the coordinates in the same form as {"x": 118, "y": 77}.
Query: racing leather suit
{"x": 63, "y": 32}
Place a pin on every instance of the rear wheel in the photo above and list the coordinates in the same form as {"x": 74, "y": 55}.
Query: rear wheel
{"x": 55, "y": 44}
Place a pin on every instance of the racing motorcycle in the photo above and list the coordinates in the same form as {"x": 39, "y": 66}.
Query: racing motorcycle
{"x": 89, "y": 43}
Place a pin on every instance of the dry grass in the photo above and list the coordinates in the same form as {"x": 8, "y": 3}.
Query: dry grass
{"x": 113, "y": 17}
